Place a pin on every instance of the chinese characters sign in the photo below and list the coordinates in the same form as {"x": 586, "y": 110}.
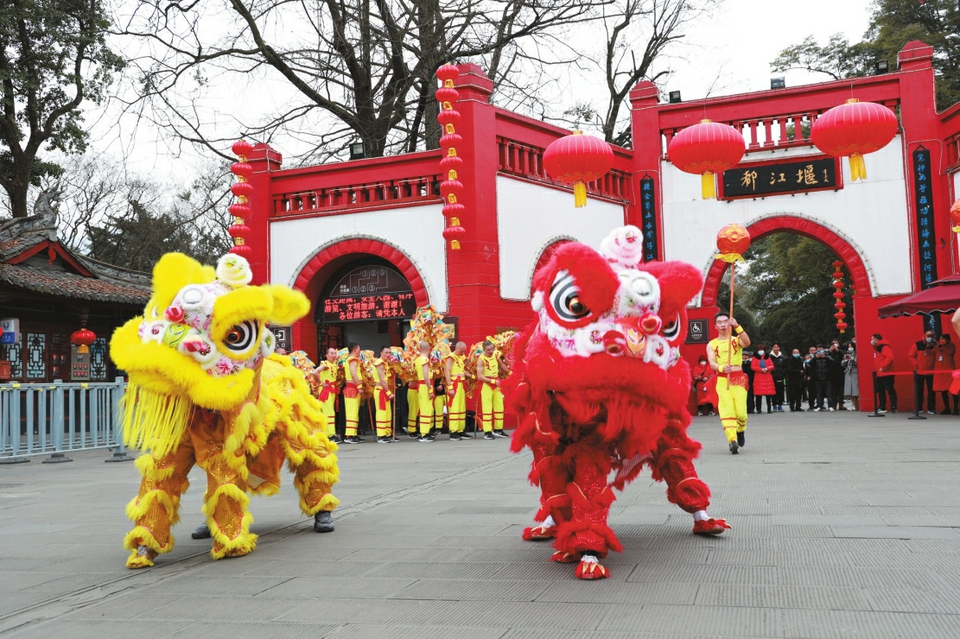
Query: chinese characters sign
{"x": 369, "y": 307}
{"x": 760, "y": 180}
{"x": 648, "y": 216}
{"x": 925, "y": 229}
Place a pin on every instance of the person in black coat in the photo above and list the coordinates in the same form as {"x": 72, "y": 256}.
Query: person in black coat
{"x": 836, "y": 380}
{"x": 794, "y": 378}
{"x": 822, "y": 372}
{"x": 747, "y": 360}
{"x": 779, "y": 376}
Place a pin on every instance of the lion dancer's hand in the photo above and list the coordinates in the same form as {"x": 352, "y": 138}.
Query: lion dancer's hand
{"x": 673, "y": 462}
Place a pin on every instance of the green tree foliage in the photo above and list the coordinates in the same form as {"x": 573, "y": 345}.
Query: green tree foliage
{"x": 53, "y": 57}
{"x": 786, "y": 293}
{"x": 892, "y": 25}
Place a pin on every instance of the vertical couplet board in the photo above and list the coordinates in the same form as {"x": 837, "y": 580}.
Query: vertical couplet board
{"x": 648, "y": 213}
{"x": 926, "y": 251}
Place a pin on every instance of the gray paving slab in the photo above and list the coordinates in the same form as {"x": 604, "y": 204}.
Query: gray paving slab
{"x": 843, "y": 526}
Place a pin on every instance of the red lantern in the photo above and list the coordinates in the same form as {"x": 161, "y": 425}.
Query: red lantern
{"x": 242, "y": 189}
{"x": 83, "y": 338}
{"x": 453, "y": 233}
{"x": 854, "y": 129}
{"x": 453, "y": 209}
{"x": 955, "y": 216}
{"x": 732, "y": 241}
{"x": 707, "y": 148}
{"x": 577, "y": 159}
{"x": 838, "y": 295}
{"x": 242, "y": 148}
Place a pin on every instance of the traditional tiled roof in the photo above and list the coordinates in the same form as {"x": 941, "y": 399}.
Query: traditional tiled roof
{"x": 62, "y": 283}
{"x": 32, "y": 258}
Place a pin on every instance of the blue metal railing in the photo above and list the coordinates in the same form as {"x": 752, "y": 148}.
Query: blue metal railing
{"x": 56, "y": 418}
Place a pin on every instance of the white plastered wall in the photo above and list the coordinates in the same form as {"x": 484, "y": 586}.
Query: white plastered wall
{"x": 531, "y": 218}
{"x": 415, "y": 231}
{"x": 871, "y": 215}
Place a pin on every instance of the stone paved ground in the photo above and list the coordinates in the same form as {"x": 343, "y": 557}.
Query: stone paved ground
{"x": 843, "y": 526}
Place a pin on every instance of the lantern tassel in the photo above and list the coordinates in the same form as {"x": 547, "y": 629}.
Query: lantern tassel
{"x": 579, "y": 195}
{"x": 707, "y": 186}
{"x": 858, "y": 168}
{"x": 83, "y": 348}
{"x": 454, "y": 245}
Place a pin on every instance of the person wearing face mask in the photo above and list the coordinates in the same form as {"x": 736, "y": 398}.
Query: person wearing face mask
{"x": 763, "y": 386}
{"x": 835, "y": 355}
{"x": 943, "y": 364}
{"x": 851, "y": 379}
{"x": 883, "y": 361}
{"x": 809, "y": 389}
{"x": 779, "y": 376}
{"x": 922, "y": 356}
{"x": 821, "y": 372}
{"x": 705, "y": 387}
{"x": 794, "y": 367}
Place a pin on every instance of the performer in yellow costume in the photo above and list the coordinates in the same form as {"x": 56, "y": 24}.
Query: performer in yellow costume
{"x": 413, "y": 406}
{"x": 383, "y": 396}
{"x": 455, "y": 378}
{"x": 732, "y": 382}
{"x": 351, "y": 395}
{"x": 328, "y": 375}
{"x": 491, "y": 397}
{"x": 425, "y": 395}
{"x": 205, "y": 388}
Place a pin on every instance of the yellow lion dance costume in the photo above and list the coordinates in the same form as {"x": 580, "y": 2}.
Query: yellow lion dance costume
{"x": 205, "y": 388}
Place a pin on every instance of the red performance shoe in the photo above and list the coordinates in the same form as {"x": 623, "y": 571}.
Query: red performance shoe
{"x": 710, "y": 526}
{"x": 590, "y": 569}
{"x": 539, "y": 533}
{"x": 562, "y": 557}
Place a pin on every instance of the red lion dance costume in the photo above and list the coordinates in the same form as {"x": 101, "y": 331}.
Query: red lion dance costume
{"x": 601, "y": 390}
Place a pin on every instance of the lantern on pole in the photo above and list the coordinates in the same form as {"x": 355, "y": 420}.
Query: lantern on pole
{"x": 732, "y": 241}
{"x": 706, "y": 149}
{"x": 451, "y": 188}
{"x": 242, "y": 189}
{"x": 577, "y": 159}
{"x": 83, "y": 339}
{"x": 854, "y": 129}
{"x": 838, "y": 295}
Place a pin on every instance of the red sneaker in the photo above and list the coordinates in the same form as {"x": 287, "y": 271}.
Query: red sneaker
{"x": 539, "y": 533}
{"x": 710, "y": 526}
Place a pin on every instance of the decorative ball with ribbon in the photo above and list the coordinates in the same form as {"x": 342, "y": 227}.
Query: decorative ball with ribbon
{"x": 732, "y": 242}
{"x": 854, "y": 129}
{"x": 706, "y": 149}
{"x": 451, "y": 188}
{"x": 84, "y": 338}
{"x": 243, "y": 190}
{"x": 577, "y": 159}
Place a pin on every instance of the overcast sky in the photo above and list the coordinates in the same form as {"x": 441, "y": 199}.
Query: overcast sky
{"x": 727, "y": 53}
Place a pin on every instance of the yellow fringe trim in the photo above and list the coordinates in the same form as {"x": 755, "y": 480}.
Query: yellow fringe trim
{"x": 154, "y": 421}
{"x": 244, "y": 543}
{"x": 140, "y": 536}
{"x": 138, "y": 506}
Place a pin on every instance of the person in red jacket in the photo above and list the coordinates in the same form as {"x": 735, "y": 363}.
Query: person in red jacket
{"x": 922, "y": 355}
{"x": 763, "y": 385}
{"x": 883, "y": 363}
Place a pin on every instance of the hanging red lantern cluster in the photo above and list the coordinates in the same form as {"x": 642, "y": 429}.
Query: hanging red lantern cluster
{"x": 451, "y": 188}
{"x": 706, "y": 149}
{"x": 854, "y": 129}
{"x": 955, "y": 216}
{"x": 84, "y": 338}
{"x": 242, "y": 189}
{"x": 838, "y": 295}
{"x": 577, "y": 159}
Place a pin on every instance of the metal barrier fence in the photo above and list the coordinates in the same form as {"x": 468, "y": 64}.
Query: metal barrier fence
{"x": 56, "y": 418}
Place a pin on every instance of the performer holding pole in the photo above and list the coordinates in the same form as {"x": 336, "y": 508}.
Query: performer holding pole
{"x": 725, "y": 353}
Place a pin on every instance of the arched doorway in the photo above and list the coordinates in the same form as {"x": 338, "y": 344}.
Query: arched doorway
{"x": 333, "y": 263}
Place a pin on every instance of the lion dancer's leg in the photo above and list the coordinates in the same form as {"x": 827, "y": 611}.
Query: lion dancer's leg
{"x": 413, "y": 410}
{"x": 732, "y": 407}
{"x": 351, "y": 407}
{"x": 673, "y": 462}
{"x": 497, "y": 407}
{"x": 226, "y": 500}
{"x": 549, "y": 473}
{"x": 426, "y": 411}
{"x": 156, "y": 508}
{"x": 329, "y": 403}
{"x": 313, "y": 461}
{"x": 587, "y": 536}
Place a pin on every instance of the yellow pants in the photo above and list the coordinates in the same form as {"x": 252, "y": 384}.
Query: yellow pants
{"x": 732, "y": 408}
{"x": 330, "y": 412}
{"x": 457, "y": 409}
{"x": 438, "y": 403}
{"x": 384, "y": 416}
{"x": 352, "y": 408}
{"x": 491, "y": 408}
{"x": 413, "y": 409}
{"x": 426, "y": 409}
